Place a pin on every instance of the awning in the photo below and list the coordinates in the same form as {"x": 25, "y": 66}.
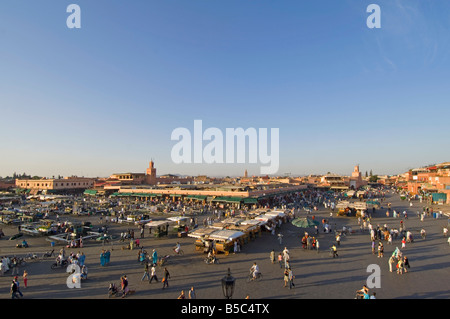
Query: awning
{"x": 276, "y": 213}
{"x": 226, "y": 235}
{"x": 250, "y": 200}
{"x": 227, "y": 199}
{"x": 197, "y": 197}
{"x": 157, "y": 223}
{"x": 201, "y": 232}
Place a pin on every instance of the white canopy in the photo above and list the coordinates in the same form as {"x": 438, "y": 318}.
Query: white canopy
{"x": 201, "y": 232}
{"x": 264, "y": 217}
{"x": 226, "y": 235}
{"x": 253, "y": 222}
{"x": 177, "y": 218}
{"x": 275, "y": 213}
{"x": 232, "y": 220}
{"x": 216, "y": 234}
{"x": 157, "y": 223}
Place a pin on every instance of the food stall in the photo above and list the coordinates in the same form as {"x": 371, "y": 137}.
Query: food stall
{"x": 232, "y": 220}
{"x": 278, "y": 214}
{"x": 269, "y": 221}
{"x": 224, "y": 240}
{"x": 218, "y": 225}
{"x": 158, "y": 228}
{"x": 180, "y": 225}
{"x": 202, "y": 234}
{"x": 251, "y": 231}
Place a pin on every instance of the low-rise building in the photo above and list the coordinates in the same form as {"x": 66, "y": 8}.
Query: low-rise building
{"x": 72, "y": 183}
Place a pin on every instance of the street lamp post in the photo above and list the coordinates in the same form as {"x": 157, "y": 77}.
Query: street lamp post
{"x": 228, "y": 283}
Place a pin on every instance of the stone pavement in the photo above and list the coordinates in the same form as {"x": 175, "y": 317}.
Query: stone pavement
{"x": 318, "y": 276}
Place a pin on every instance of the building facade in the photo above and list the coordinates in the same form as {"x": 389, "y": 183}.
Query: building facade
{"x": 63, "y": 184}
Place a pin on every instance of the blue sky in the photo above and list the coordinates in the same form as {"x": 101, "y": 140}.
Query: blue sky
{"x": 105, "y": 98}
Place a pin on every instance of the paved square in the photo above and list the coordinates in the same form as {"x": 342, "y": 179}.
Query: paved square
{"x": 317, "y": 275}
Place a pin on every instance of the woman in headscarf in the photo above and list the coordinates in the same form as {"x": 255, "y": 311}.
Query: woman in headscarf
{"x": 107, "y": 257}
{"x": 154, "y": 257}
{"x": 102, "y": 258}
{"x": 124, "y": 284}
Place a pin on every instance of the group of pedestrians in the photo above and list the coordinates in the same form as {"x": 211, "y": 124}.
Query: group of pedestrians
{"x": 149, "y": 272}
{"x": 191, "y": 294}
{"x": 400, "y": 262}
{"x": 283, "y": 259}
{"x": 105, "y": 257}
{"x": 15, "y": 290}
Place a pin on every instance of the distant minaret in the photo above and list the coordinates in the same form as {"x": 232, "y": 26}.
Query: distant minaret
{"x": 245, "y": 174}
{"x": 356, "y": 172}
{"x": 151, "y": 174}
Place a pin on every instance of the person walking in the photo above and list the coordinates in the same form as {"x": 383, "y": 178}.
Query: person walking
{"x": 380, "y": 250}
{"x": 16, "y": 280}
{"x": 81, "y": 259}
{"x": 102, "y": 258}
{"x": 400, "y": 266}
{"x": 291, "y": 278}
{"x": 124, "y": 285}
{"x": 13, "y": 290}
{"x": 391, "y": 262}
{"x": 286, "y": 259}
{"x": 280, "y": 259}
{"x": 14, "y": 266}
{"x": 182, "y": 295}
{"x": 25, "y": 278}
{"x": 236, "y": 247}
{"x": 166, "y": 277}
{"x": 272, "y": 256}
{"x": 192, "y": 294}
{"x": 280, "y": 238}
{"x": 107, "y": 257}
{"x": 154, "y": 257}
{"x": 153, "y": 274}
{"x": 334, "y": 251}
{"x": 146, "y": 272}
{"x": 406, "y": 264}
{"x": 286, "y": 277}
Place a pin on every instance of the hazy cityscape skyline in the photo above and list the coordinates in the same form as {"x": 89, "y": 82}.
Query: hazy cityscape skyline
{"x": 348, "y": 172}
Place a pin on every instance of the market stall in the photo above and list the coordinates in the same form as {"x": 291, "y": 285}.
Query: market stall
{"x": 251, "y": 231}
{"x": 202, "y": 242}
{"x": 158, "y": 227}
{"x": 180, "y": 226}
{"x": 224, "y": 240}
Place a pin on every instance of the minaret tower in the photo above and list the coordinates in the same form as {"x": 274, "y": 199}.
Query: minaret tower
{"x": 151, "y": 173}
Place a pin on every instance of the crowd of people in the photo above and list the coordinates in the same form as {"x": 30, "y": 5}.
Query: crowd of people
{"x": 379, "y": 236}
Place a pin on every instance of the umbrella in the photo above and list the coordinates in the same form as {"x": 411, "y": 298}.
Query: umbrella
{"x": 305, "y": 222}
